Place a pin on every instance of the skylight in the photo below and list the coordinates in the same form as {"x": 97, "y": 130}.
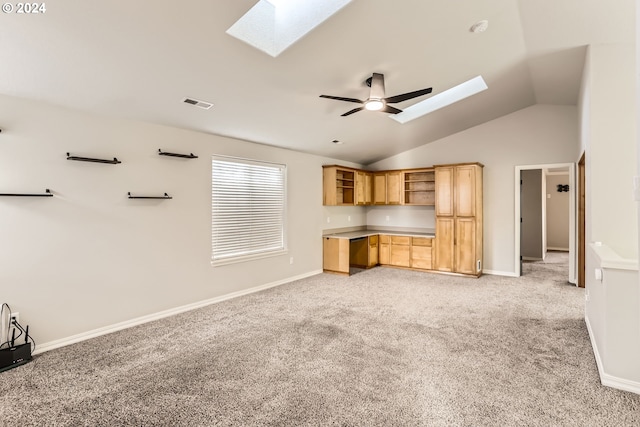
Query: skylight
{"x": 274, "y": 25}
{"x": 441, "y": 100}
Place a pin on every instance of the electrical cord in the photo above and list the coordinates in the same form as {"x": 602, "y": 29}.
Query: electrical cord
{"x": 17, "y": 326}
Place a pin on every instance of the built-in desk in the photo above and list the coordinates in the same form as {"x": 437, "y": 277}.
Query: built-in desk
{"x": 368, "y": 248}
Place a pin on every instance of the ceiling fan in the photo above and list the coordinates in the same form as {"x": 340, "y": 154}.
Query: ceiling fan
{"x": 377, "y": 100}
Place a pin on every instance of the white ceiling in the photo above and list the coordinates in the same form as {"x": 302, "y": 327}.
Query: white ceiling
{"x": 139, "y": 59}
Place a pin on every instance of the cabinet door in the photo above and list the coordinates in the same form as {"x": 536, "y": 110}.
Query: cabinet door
{"x": 444, "y": 252}
{"x": 379, "y": 188}
{"x": 444, "y": 191}
{"x": 335, "y": 254}
{"x": 465, "y": 181}
{"x": 399, "y": 255}
{"x": 383, "y": 250}
{"x": 421, "y": 257}
{"x": 373, "y": 251}
{"x": 400, "y": 251}
{"x": 329, "y": 196}
{"x": 363, "y": 188}
{"x": 394, "y": 188}
{"x": 465, "y": 248}
{"x": 368, "y": 188}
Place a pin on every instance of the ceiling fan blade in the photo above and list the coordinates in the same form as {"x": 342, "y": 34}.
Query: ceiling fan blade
{"x": 339, "y": 98}
{"x": 408, "y": 95}
{"x": 377, "y": 86}
{"x": 390, "y": 109}
{"x": 355, "y": 110}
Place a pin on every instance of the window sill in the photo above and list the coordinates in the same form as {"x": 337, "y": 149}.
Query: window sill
{"x": 239, "y": 259}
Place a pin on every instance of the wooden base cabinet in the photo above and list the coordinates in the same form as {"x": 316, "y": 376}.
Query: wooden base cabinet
{"x": 400, "y": 251}
{"x": 335, "y": 255}
{"x": 339, "y": 254}
{"x": 421, "y": 253}
{"x": 373, "y": 251}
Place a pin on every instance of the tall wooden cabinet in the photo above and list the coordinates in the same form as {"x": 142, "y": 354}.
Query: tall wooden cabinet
{"x": 459, "y": 218}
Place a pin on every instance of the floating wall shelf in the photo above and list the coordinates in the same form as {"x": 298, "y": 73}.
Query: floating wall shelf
{"x": 115, "y": 161}
{"x": 185, "y": 156}
{"x": 166, "y": 196}
{"x": 47, "y": 193}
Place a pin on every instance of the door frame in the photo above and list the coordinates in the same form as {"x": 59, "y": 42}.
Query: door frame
{"x": 572, "y": 215}
{"x": 581, "y": 221}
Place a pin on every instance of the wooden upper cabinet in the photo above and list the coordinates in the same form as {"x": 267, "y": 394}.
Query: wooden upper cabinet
{"x": 387, "y": 188}
{"x": 419, "y": 187}
{"x": 380, "y": 188}
{"x": 338, "y": 186}
{"x": 364, "y": 188}
{"x": 394, "y": 188}
{"x": 465, "y": 190}
{"x": 444, "y": 191}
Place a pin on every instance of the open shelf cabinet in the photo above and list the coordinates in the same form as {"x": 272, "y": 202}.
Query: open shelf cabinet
{"x": 420, "y": 187}
{"x": 339, "y": 186}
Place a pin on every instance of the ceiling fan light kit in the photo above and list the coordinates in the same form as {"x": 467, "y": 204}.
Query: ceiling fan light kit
{"x": 374, "y": 105}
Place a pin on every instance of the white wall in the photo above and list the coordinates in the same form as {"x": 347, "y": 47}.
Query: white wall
{"x": 541, "y": 134}
{"x": 611, "y": 152}
{"x": 89, "y": 257}
{"x": 608, "y": 122}
{"x": 405, "y": 216}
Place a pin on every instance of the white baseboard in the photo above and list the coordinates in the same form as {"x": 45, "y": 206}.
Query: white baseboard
{"x": 606, "y": 379}
{"x": 41, "y": 348}
{"x": 500, "y": 273}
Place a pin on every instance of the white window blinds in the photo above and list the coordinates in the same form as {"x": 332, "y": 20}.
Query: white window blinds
{"x": 248, "y": 209}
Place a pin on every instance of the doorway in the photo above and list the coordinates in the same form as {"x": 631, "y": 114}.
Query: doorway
{"x": 570, "y": 189}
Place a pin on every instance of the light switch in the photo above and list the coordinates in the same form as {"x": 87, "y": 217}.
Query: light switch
{"x": 598, "y": 274}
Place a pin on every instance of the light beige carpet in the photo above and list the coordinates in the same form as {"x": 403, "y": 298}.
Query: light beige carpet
{"x": 383, "y": 347}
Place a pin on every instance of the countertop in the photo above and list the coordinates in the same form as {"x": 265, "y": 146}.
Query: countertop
{"x": 365, "y": 233}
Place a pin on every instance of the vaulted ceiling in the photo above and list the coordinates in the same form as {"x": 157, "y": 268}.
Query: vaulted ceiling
{"x": 140, "y": 59}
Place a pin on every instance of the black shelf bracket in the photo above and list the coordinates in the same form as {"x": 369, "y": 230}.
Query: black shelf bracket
{"x": 115, "y": 161}
{"x": 184, "y": 156}
{"x": 47, "y": 193}
{"x": 166, "y": 196}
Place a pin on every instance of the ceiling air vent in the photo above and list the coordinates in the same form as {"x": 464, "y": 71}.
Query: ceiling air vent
{"x": 201, "y": 104}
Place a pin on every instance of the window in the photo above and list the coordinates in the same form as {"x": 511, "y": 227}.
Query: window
{"x": 247, "y": 209}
